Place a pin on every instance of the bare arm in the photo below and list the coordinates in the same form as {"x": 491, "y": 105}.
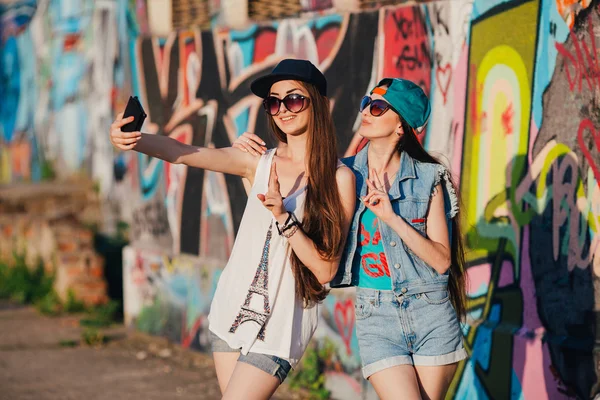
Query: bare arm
{"x": 227, "y": 160}
{"x": 305, "y": 248}
{"x": 435, "y": 248}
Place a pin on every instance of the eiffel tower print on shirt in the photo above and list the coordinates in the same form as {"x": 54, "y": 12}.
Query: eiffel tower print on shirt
{"x": 259, "y": 286}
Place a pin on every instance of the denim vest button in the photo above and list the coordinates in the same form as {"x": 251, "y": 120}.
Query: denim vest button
{"x": 396, "y": 265}
{"x": 393, "y": 244}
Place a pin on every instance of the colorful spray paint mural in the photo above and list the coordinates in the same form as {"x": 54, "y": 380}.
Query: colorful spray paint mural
{"x": 62, "y": 66}
{"x": 515, "y": 117}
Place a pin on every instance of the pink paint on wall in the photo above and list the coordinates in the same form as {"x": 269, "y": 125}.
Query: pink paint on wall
{"x": 460, "y": 92}
{"x": 531, "y": 358}
{"x": 507, "y": 276}
{"x": 533, "y": 132}
{"x": 479, "y": 275}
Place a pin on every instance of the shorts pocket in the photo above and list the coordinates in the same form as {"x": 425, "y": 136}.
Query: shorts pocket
{"x": 437, "y": 297}
{"x": 363, "y": 308}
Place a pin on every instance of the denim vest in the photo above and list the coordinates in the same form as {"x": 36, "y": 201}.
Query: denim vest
{"x": 410, "y": 193}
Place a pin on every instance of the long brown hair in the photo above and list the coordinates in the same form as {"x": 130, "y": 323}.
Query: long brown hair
{"x": 323, "y": 215}
{"x": 457, "y": 281}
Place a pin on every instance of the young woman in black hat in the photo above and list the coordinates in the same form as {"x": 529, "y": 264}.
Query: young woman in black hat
{"x": 404, "y": 252}
{"x": 290, "y": 239}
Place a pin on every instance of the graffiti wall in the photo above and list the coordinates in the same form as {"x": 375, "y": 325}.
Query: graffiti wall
{"x": 515, "y": 90}
{"x": 169, "y": 296}
{"x": 62, "y": 66}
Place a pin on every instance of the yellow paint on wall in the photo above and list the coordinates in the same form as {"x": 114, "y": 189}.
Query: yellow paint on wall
{"x": 509, "y": 39}
{"x": 5, "y": 170}
{"x": 496, "y": 175}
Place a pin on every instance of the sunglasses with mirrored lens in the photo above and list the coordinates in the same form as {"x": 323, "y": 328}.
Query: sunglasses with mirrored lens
{"x": 293, "y": 102}
{"x": 378, "y": 106}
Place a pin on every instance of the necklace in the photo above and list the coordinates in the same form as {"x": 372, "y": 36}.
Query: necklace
{"x": 388, "y": 182}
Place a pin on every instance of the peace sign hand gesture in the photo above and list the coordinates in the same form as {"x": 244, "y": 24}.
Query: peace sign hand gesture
{"x": 378, "y": 199}
{"x": 272, "y": 200}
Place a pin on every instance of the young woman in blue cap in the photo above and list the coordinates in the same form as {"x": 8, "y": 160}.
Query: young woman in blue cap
{"x": 404, "y": 252}
{"x": 291, "y": 236}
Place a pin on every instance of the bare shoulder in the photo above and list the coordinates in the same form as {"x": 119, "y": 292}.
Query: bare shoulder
{"x": 347, "y": 190}
{"x": 344, "y": 176}
{"x": 346, "y": 182}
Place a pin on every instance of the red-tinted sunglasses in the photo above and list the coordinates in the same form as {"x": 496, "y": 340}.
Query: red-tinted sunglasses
{"x": 378, "y": 106}
{"x": 294, "y": 102}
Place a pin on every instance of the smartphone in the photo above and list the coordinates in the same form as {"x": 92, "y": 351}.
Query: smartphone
{"x": 134, "y": 109}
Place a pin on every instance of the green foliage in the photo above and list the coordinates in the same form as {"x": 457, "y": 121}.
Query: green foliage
{"x": 22, "y": 284}
{"x": 34, "y": 286}
{"x": 122, "y": 232}
{"x": 102, "y": 315}
{"x": 151, "y": 319}
{"x": 92, "y": 337}
{"x": 48, "y": 172}
{"x": 72, "y": 305}
{"x": 4, "y": 286}
{"x": 310, "y": 373}
{"x": 96, "y": 187}
{"x": 49, "y": 304}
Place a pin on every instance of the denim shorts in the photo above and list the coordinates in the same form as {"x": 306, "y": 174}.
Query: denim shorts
{"x": 420, "y": 329}
{"x": 272, "y": 365}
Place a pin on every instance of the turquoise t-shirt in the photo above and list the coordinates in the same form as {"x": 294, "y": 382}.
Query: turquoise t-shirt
{"x": 370, "y": 262}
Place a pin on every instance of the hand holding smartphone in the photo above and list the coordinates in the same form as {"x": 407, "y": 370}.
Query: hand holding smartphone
{"x": 134, "y": 109}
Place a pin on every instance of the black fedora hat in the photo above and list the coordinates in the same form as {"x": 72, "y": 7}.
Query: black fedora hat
{"x": 298, "y": 70}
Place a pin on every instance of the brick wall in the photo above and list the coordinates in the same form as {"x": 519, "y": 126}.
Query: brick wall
{"x": 52, "y": 224}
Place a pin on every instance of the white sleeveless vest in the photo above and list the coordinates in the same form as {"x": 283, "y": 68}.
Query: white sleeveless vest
{"x": 255, "y": 306}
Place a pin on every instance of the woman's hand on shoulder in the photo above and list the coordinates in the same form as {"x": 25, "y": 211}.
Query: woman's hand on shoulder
{"x": 250, "y": 143}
